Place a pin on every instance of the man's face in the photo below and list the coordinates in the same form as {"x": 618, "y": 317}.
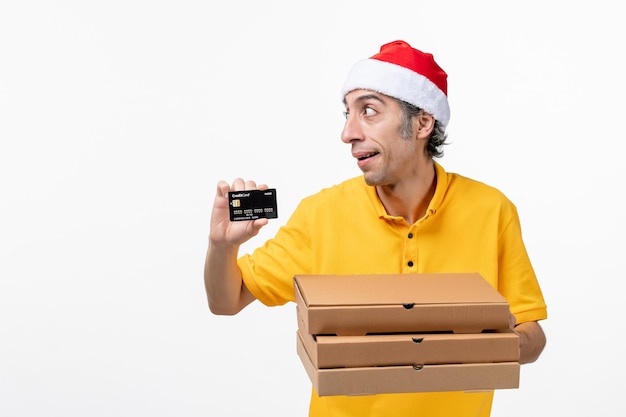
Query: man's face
{"x": 372, "y": 128}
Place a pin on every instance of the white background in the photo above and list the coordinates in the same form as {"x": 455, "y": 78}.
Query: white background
{"x": 118, "y": 118}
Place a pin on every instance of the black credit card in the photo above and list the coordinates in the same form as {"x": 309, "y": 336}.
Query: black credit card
{"x": 252, "y": 204}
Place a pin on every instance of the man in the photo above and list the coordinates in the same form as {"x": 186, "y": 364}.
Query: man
{"x": 406, "y": 214}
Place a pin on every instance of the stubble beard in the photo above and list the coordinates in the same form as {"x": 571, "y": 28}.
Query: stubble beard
{"x": 375, "y": 178}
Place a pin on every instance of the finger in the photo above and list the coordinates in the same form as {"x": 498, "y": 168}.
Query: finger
{"x": 238, "y": 185}
{"x": 512, "y": 321}
{"x": 222, "y": 188}
{"x": 250, "y": 185}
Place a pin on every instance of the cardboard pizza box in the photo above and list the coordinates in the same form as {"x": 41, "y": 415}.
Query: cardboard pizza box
{"x": 349, "y": 305}
{"x": 408, "y": 378}
{"x": 410, "y": 349}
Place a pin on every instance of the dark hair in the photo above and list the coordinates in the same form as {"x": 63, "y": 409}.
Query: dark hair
{"x": 438, "y": 136}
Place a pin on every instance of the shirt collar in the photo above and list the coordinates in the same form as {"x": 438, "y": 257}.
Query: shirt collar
{"x": 440, "y": 190}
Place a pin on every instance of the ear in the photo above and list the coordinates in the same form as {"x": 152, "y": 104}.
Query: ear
{"x": 424, "y": 125}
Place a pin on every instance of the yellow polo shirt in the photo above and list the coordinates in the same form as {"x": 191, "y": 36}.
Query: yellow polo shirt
{"x": 344, "y": 229}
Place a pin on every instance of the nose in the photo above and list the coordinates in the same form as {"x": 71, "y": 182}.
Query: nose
{"x": 351, "y": 130}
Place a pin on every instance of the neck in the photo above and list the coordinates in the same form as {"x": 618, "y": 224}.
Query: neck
{"x": 410, "y": 197}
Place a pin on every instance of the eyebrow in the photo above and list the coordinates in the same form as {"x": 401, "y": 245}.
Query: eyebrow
{"x": 365, "y": 97}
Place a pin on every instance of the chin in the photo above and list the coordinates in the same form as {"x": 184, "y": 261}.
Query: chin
{"x": 372, "y": 179}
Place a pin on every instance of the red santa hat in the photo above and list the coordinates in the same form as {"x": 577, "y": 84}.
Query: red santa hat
{"x": 405, "y": 73}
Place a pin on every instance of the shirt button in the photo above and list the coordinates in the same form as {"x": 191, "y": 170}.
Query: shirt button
{"x": 410, "y": 235}
{"x": 410, "y": 263}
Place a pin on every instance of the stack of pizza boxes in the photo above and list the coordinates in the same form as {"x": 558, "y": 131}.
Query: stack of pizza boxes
{"x": 395, "y": 333}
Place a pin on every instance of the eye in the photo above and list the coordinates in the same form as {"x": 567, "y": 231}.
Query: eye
{"x": 346, "y": 114}
{"x": 369, "y": 111}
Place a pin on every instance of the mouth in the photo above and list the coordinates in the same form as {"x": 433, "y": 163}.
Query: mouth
{"x": 366, "y": 156}
{"x": 363, "y": 159}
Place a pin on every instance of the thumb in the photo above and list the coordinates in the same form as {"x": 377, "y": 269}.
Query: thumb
{"x": 258, "y": 224}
